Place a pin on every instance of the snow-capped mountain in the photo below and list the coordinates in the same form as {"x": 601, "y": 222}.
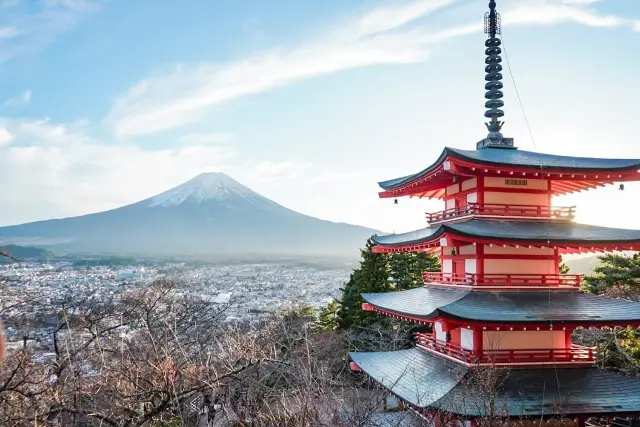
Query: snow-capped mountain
{"x": 206, "y": 187}
{"x": 209, "y": 214}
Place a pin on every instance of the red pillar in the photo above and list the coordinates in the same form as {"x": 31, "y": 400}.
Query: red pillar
{"x": 480, "y": 187}
{"x": 567, "y": 338}
{"x": 480, "y": 261}
{"x": 477, "y": 341}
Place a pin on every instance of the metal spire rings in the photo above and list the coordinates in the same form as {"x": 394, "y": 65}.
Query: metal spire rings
{"x": 493, "y": 70}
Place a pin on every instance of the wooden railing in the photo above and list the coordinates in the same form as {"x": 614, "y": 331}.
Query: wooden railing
{"x": 571, "y": 281}
{"x": 547, "y": 212}
{"x": 575, "y": 354}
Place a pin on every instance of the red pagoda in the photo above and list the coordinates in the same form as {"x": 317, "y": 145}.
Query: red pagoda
{"x": 500, "y": 300}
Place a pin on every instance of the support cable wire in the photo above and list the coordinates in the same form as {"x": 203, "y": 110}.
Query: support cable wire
{"x": 541, "y": 165}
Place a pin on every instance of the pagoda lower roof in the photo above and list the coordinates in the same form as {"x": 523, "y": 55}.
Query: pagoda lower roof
{"x": 523, "y": 232}
{"x": 426, "y": 381}
{"x": 427, "y": 303}
{"x": 389, "y": 419}
{"x": 519, "y": 159}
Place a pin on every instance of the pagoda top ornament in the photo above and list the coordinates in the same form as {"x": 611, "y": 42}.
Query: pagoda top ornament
{"x": 494, "y": 85}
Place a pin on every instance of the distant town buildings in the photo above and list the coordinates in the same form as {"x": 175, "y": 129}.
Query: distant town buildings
{"x": 251, "y": 291}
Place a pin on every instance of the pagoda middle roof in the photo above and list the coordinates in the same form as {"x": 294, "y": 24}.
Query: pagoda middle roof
{"x": 516, "y": 231}
{"x": 520, "y": 159}
{"x": 427, "y": 381}
{"x": 390, "y": 419}
{"x": 430, "y": 302}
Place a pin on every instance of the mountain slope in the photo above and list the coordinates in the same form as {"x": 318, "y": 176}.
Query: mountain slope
{"x": 209, "y": 214}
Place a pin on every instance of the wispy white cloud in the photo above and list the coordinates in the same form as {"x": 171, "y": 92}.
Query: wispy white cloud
{"x": 382, "y": 36}
{"x": 5, "y": 137}
{"x": 268, "y": 171}
{"x": 168, "y": 101}
{"x": 207, "y": 138}
{"x": 332, "y": 176}
{"x": 17, "y": 101}
{"x": 28, "y": 26}
{"x": 9, "y": 32}
{"x": 580, "y": 1}
{"x": 547, "y": 13}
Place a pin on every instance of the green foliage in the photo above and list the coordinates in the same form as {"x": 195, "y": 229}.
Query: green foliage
{"x": 371, "y": 277}
{"x": 380, "y": 272}
{"x": 564, "y": 268}
{"x": 405, "y": 269}
{"x": 630, "y": 339}
{"x": 615, "y": 270}
{"x": 328, "y": 319}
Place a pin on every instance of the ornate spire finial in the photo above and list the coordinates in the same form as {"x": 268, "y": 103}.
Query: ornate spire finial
{"x": 493, "y": 77}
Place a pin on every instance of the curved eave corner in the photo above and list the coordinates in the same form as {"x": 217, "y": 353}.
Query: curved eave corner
{"x": 405, "y": 185}
{"x": 419, "y": 240}
{"x": 577, "y": 237}
{"x": 429, "y": 382}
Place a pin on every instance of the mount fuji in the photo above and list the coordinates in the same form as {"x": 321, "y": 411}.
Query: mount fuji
{"x": 211, "y": 214}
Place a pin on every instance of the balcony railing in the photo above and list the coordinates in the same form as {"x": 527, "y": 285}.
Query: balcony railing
{"x": 568, "y": 281}
{"x": 574, "y": 355}
{"x": 547, "y": 212}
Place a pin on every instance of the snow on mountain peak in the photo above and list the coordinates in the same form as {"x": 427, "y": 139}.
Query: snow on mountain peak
{"x": 215, "y": 186}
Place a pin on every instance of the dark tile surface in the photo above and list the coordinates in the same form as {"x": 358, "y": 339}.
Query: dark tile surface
{"x": 497, "y": 156}
{"x": 511, "y": 307}
{"x": 424, "y": 380}
{"x": 525, "y": 231}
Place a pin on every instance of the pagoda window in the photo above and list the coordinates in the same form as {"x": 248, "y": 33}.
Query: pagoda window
{"x": 467, "y": 250}
{"x": 440, "y": 333}
{"x": 472, "y": 198}
{"x": 525, "y": 260}
{"x": 452, "y": 189}
{"x": 524, "y": 198}
{"x": 450, "y": 203}
{"x": 447, "y": 266}
{"x": 470, "y": 266}
{"x": 519, "y": 266}
{"x": 469, "y": 184}
{"x": 466, "y": 339}
{"x": 523, "y": 340}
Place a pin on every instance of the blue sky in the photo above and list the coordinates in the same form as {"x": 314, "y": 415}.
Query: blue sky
{"x": 104, "y": 103}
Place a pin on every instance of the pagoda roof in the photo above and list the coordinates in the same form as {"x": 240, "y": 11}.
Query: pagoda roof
{"x": 512, "y": 159}
{"x": 391, "y": 419}
{"x": 493, "y": 231}
{"x": 427, "y": 381}
{"x": 429, "y": 302}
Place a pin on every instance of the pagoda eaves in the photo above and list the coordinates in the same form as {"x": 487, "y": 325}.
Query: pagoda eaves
{"x": 566, "y": 174}
{"x": 430, "y": 383}
{"x": 566, "y": 237}
{"x": 517, "y": 310}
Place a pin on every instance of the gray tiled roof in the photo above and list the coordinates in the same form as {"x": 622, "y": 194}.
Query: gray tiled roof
{"x": 392, "y": 419}
{"x": 428, "y": 302}
{"x": 520, "y": 158}
{"x": 413, "y": 375}
{"x": 424, "y": 380}
{"x": 524, "y": 231}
